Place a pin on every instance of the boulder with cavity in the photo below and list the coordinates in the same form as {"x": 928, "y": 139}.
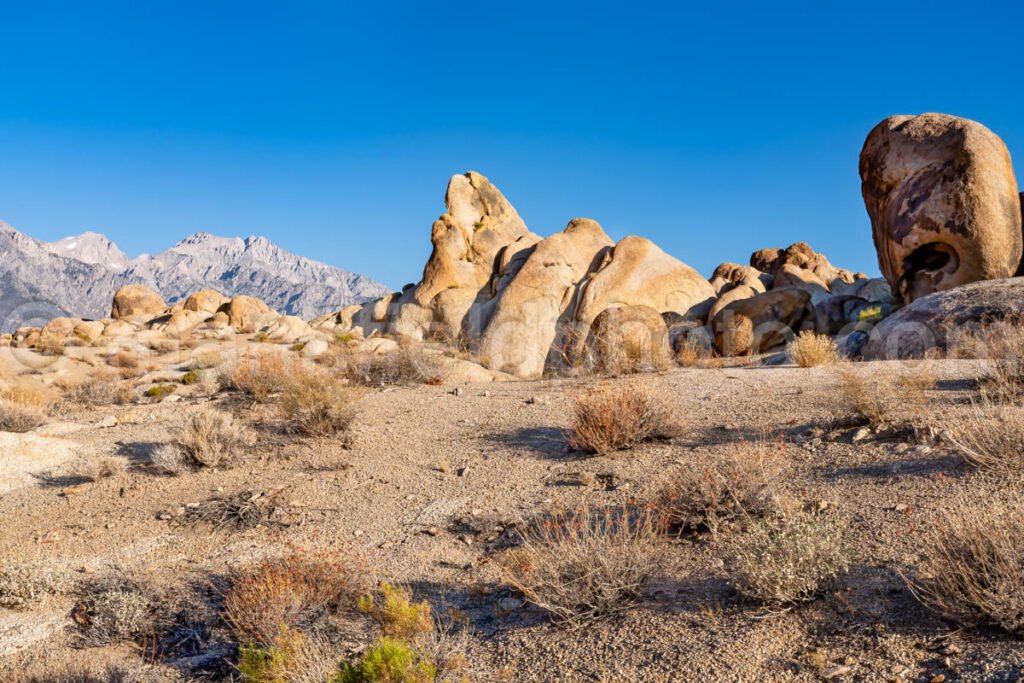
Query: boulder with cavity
{"x": 943, "y": 202}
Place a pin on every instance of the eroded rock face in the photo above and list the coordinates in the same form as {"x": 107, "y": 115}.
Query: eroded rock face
{"x": 943, "y": 202}
{"x": 522, "y": 331}
{"x": 466, "y": 239}
{"x": 136, "y": 300}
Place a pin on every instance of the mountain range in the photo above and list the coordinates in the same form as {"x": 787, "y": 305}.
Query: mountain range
{"x": 78, "y": 275}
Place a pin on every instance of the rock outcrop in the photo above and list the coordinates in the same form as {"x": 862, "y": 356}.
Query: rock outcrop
{"x": 930, "y": 323}
{"x": 519, "y": 301}
{"x": 943, "y": 202}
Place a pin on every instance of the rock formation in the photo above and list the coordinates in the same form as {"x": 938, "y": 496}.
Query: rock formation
{"x": 519, "y": 301}
{"x": 943, "y": 202}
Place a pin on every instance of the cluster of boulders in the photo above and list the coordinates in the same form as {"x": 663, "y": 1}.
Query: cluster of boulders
{"x": 945, "y": 211}
{"x": 522, "y": 303}
{"x": 206, "y": 314}
{"x": 944, "y": 208}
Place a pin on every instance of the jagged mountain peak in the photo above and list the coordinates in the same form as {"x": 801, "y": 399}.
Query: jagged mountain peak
{"x": 90, "y": 247}
{"x": 78, "y": 275}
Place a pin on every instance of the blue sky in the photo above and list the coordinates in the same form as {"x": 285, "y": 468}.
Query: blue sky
{"x": 714, "y": 130}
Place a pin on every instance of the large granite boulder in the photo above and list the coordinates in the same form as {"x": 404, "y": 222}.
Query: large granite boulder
{"x": 638, "y": 273}
{"x": 624, "y": 338}
{"x": 136, "y": 301}
{"x": 943, "y": 202}
{"x": 247, "y": 314}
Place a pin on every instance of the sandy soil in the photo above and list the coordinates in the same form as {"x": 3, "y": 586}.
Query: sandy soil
{"x": 427, "y": 475}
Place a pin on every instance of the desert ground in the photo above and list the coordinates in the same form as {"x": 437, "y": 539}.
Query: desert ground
{"x": 430, "y": 485}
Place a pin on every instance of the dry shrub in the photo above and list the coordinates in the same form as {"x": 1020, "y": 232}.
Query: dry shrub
{"x": 209, "y": 438}
{"x": 205, "y": 360}
{"x": 743, "y": 484}
{"x": 789, "y": 559}
{"x": 25, "y": 584}
{"x": 115, "y": 609}
{"x": 169, "y": 458}
{"x": 884, "y": 399}
{"x": 28, "y": 395}
{"x": 411, "y": 363}
{"x": 612, "y": 417}
{"x": 291, "y": 657}
{"x": 583, "y": 565}
{"x": 972, "y": 566}
{"x": 293, "y": 592}
{"x": 101, "y": 390}
{"x": 318, "y": 404}
{"x": 17, "y": 418}
{"x": 243, "y": 510}
{"x": 95, "y": 469}
{"x": 1001, "y": 344}
{"x": 810, "y": 349}
{"x": 261, "y": 374}
{"x": 690, "y": 352}
{"x": 86, "y": 673}
{"x": 126, "y": 360}
{"x": 987, "y": 436}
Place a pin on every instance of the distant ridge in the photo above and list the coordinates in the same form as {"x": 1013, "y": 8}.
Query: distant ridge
{"x": 78, "y": 275}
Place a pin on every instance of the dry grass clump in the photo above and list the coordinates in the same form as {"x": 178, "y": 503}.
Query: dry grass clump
{"x": 318, "y": 404}
{"x": 290, "y": 657}
{"x": 168, "y": 458}
{"x": 691, "y": 352}
{"x": 115, "y": 609}
{"x": 205, "y": 360}
{"x": 972, "y": 567}
{"x": 789, "y": 559}
{"x": 744, "y": 484}
{"x": 884, "y": 399}
{"x": 210, "y": 438}
{"x": 987, "y": 436}
{"x": 810, "y": 349}
{"x": 612, "y": 417}
{"x": 82, "y": 673}
{"x": 293, "y": 592}
{"x": 581, "y": 565}
{"x": 261, "y": 374}
{"x": 411, "y": 363}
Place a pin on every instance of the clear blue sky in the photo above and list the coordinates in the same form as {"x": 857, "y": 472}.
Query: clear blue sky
{"x": 714, "y": 129}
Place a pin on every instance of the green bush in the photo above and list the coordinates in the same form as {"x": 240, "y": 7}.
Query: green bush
{"x": 388, "y": 661}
